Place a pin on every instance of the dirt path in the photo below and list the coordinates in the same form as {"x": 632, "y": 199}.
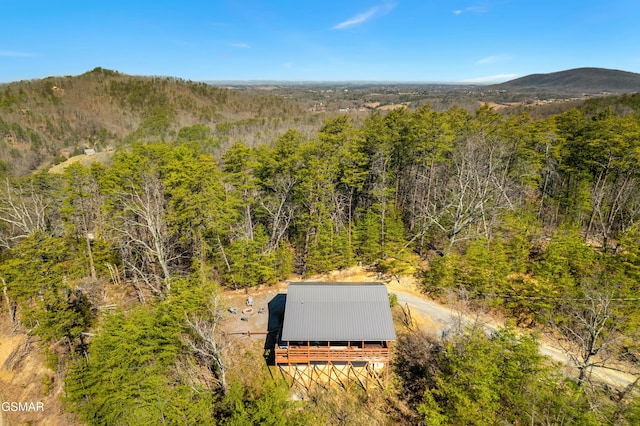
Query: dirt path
{"x": 436, "y": 317}
{"x": 431, "y": 316}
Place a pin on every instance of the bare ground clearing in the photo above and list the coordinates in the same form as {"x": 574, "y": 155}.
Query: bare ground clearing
{"x": 25, "y": 378}
{"x": 430, "y": 315}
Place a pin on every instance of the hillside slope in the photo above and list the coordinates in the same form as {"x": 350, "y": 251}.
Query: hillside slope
{"x": 579, "y": 80}
{"x": 24, "y": 377}
{"x": 61, "y": 116}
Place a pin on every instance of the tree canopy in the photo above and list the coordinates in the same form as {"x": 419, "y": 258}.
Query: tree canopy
{"x": 535, "y": 219}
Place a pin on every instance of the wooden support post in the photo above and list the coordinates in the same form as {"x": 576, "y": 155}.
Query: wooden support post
{"x": 348, "y": 379}
{"x": 367, "y": 375}
{"x": 386, "y": 366}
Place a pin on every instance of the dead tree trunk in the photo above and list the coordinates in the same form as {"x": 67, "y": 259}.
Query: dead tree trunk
{"x": 205, "y": 341}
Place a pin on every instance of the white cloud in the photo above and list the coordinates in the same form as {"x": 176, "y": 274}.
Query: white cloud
{"x": 365, "y": 16}
{"x": 497, "y": 78}
{"x": 358, "y": 19}
{"x": 13, "y": 54}
{"x": 471, "y": 9}
{"x": 493, "y": 59}
{"x": 287, "y": 65}
{"x": 241, "y": 45}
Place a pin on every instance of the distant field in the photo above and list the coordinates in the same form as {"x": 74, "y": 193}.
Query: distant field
{"x": 86, "y": 160}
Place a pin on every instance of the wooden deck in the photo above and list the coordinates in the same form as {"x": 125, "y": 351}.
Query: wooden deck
{"x": 307, "y": 354}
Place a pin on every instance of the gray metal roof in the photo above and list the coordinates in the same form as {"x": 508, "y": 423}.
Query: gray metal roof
{"x": 337, "y": 312}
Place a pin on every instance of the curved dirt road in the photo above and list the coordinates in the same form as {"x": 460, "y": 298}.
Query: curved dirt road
{"x": 436, "y": 318}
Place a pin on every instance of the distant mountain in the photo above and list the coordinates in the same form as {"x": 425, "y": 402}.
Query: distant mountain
{"x": 44, "y": 121}
{"x": 579, "y": 80}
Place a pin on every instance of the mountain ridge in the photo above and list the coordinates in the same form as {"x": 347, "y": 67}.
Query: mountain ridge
{"x": 589, "y": 80}
{"x": 47, "y": 120}
{"x": 44, "y": 122}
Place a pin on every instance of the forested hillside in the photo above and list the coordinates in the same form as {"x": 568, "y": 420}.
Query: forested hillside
{"x": 536, "y": 220}
{"x": 45, "y": 121}
{"x": 578, "y": 80}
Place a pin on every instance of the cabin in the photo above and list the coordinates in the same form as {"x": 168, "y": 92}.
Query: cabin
{"x": 337, "y": 331}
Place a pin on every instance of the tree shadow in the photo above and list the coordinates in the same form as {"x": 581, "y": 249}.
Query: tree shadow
{"x": 276, "y": 316}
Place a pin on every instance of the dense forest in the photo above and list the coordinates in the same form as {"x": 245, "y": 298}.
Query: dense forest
{"x": 535, "y": 220}
{"x": 46, "y": 121}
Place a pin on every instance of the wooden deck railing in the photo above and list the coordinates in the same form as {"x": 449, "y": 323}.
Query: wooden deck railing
{"x": 304, "y": 354}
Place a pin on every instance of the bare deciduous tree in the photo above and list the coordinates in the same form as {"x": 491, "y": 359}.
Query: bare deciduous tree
{"x": 279, "y": 209}
{"x": 471, "y": 192}
{"x": 205, "y": 341}
{"x": 140, "y": 229}
{"x": 589, "y": 332}
{"x": 23, "y": 210}
{"x": 611, "y": 206}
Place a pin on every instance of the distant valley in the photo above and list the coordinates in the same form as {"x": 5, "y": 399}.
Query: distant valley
{"x": 44, "y": 122}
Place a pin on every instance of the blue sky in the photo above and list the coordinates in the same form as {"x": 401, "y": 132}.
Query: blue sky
{"x": 386, "y": 40}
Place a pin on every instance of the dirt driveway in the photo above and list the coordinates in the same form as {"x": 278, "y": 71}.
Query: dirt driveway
{"x": 432, "y": 316}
